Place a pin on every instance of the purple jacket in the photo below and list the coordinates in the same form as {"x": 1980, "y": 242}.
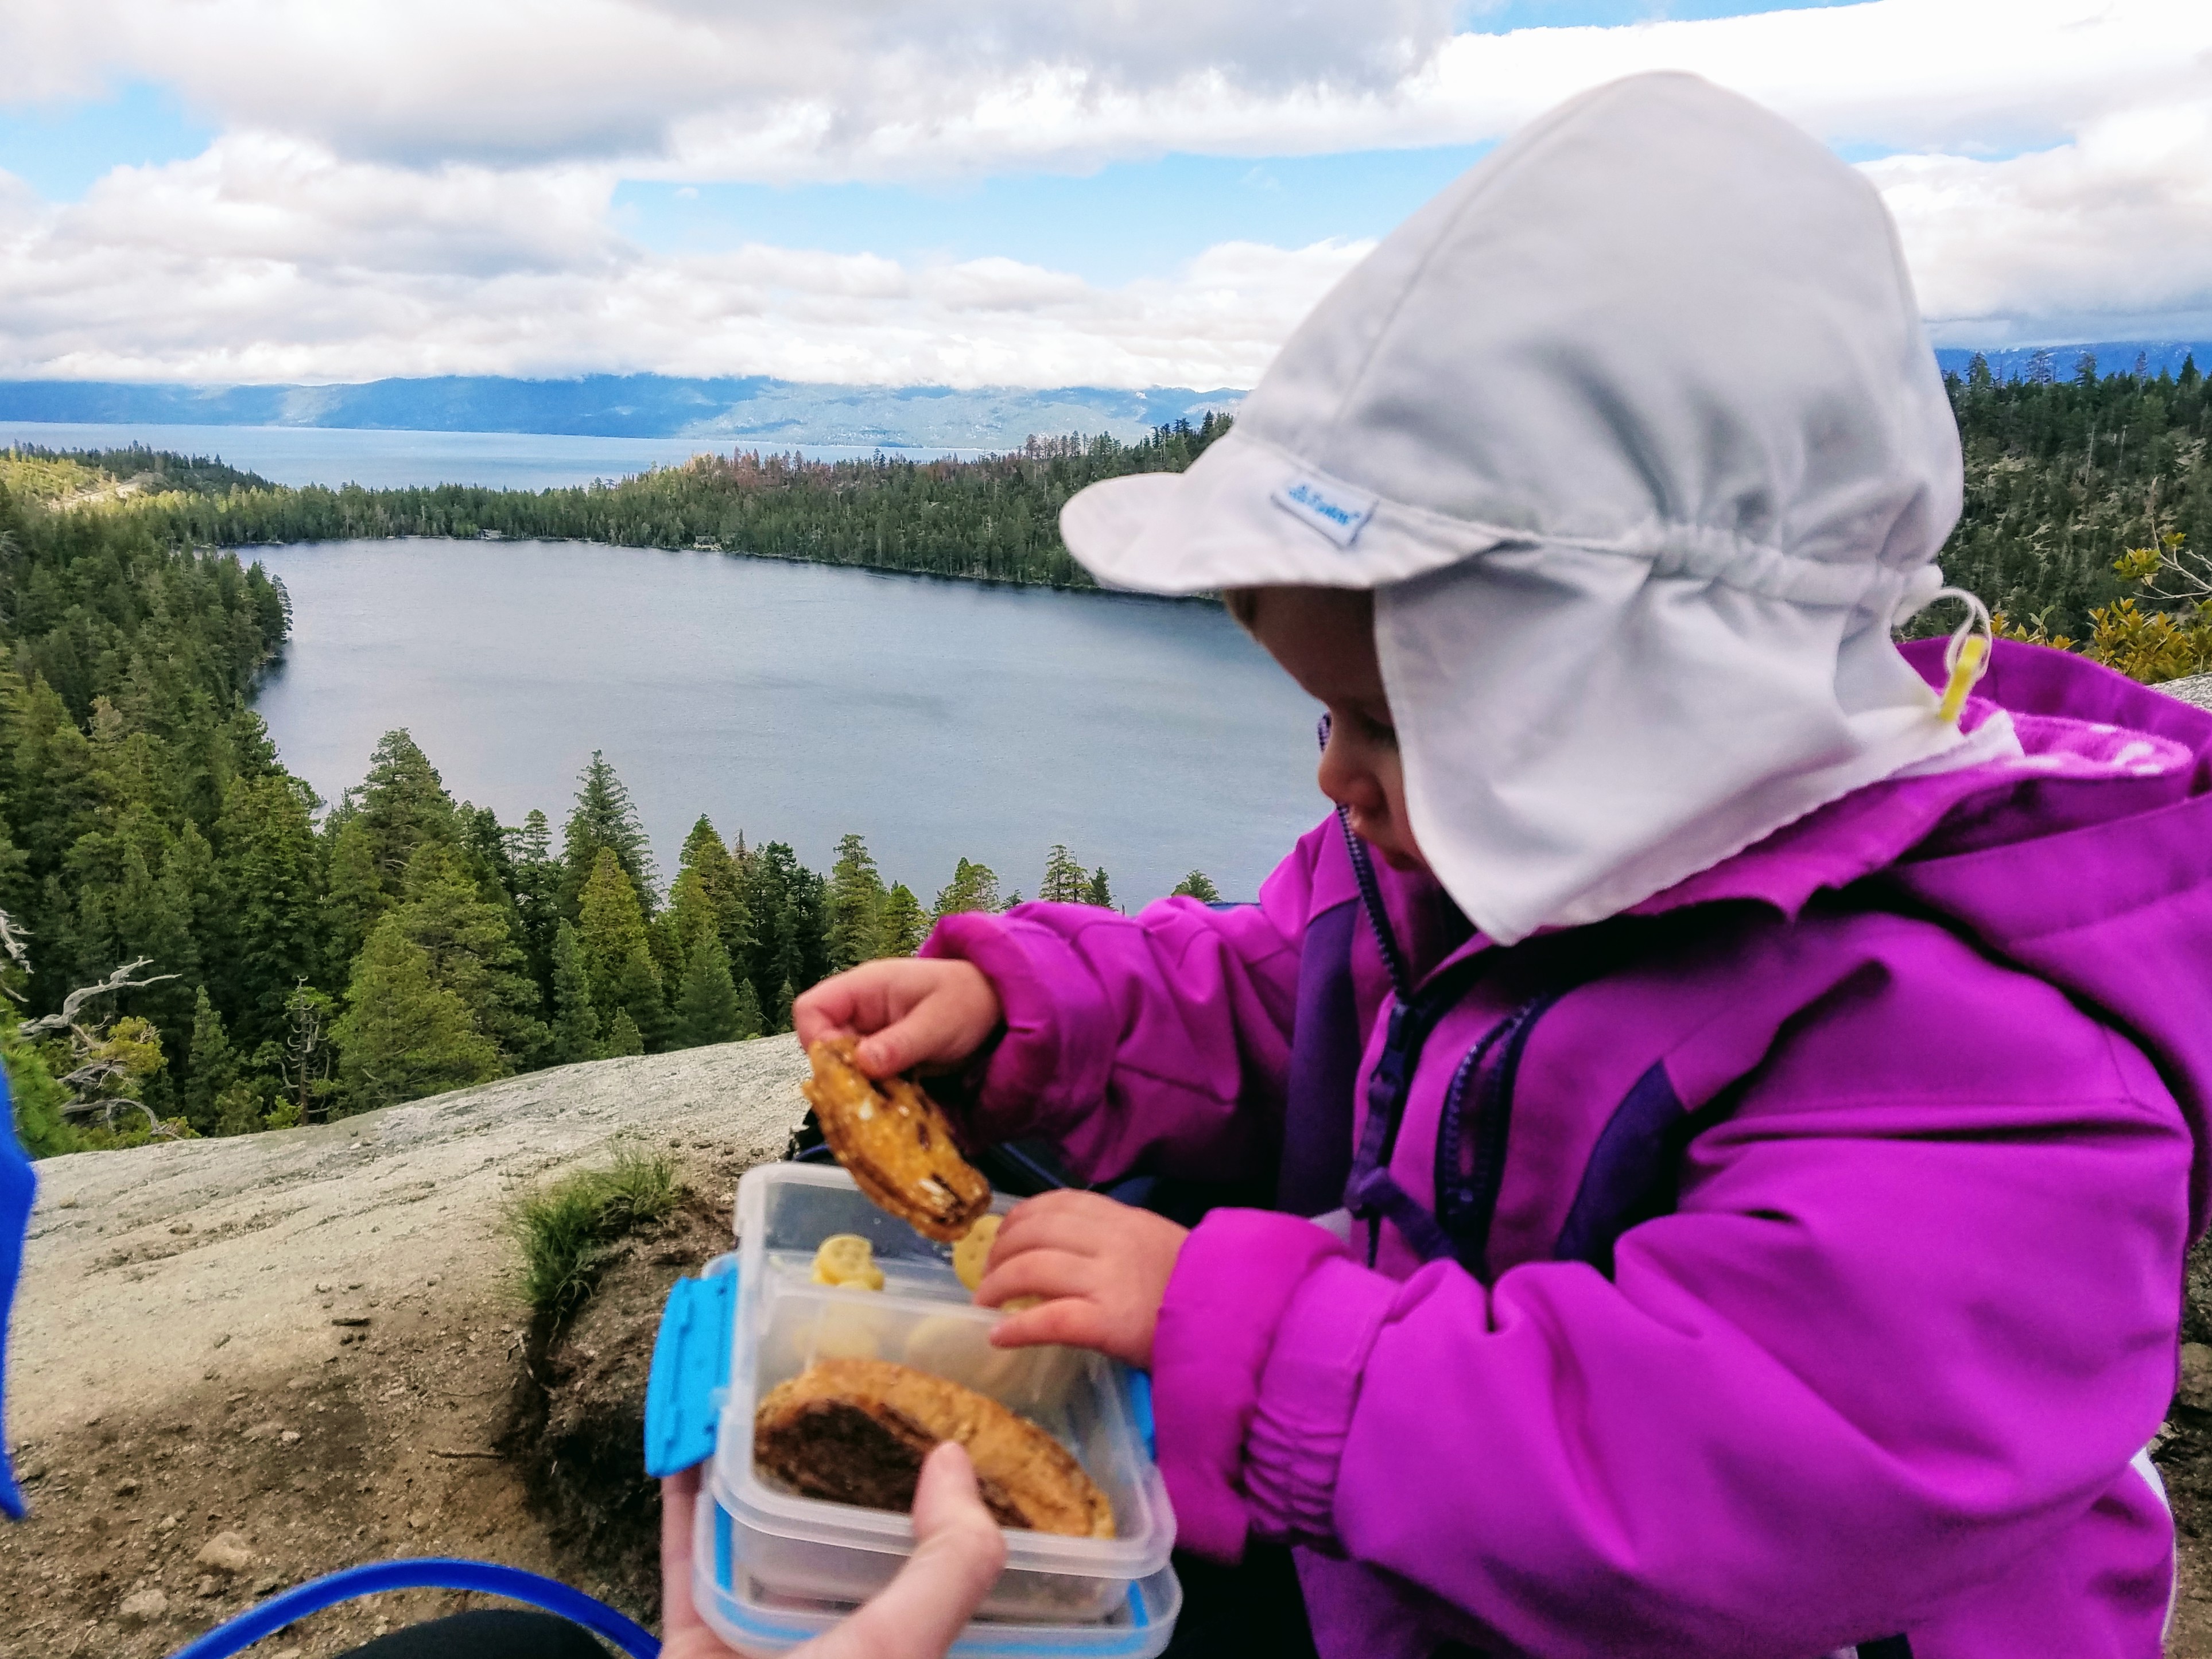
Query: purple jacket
{"x": 1792, "y": 1265}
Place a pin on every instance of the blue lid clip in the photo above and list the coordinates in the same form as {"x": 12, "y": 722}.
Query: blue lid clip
{"x": 691, "y": 1369}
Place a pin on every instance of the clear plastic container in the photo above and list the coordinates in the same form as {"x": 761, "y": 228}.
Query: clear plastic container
{"x": 756, "y": 1620}
{"x": 808, "y": 1548}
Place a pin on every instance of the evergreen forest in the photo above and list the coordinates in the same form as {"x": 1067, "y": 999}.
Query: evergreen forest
{"x": 192, "y": 943}
{"x": 995, "y": 518}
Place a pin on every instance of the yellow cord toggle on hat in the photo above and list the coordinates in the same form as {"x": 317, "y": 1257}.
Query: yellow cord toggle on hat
{"x": 1966, "y": 658}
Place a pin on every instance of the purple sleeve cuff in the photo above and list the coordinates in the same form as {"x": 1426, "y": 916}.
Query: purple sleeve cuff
{"x": 1307, "y": 1393}
{"x": 1058, "y": 1046}
{"x": 1238, "y": 1271}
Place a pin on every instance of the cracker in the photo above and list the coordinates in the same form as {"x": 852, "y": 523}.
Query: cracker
{"x": 847, "y": 1259}
{"x": 856, "y": 1432}
{"x": 895, "y": 1143}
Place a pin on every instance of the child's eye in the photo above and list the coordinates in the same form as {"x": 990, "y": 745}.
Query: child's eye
{"x": 1378, "y": 731}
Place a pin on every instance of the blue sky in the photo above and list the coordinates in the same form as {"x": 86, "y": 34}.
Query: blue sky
{"x": 60, "y": 147}
{"x": 1151, "y": 193}
{"x": 1130, "y": 219}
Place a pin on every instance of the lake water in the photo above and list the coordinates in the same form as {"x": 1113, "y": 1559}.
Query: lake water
{"x": 393, "y": 461}
{"x": 940, "y": 720}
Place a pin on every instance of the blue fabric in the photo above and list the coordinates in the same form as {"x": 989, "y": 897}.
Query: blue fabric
{"x": 18, "y": 1185}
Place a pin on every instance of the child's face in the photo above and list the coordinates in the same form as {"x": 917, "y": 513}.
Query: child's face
{"x": 1324, "y": 637}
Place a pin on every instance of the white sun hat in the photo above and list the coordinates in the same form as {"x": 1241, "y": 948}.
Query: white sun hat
{"x": 1637, "y": 434}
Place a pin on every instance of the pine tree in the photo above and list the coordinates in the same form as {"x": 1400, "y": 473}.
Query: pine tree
{"x": 1065, "y": 879}
{"x": 643, "y": 995}
{"x": 1097, "y": 891}
{"x": 575, "y": 1033}
{"x": 904, "y": 924}
{"x": 1198, "y": 886}
{"x": 399, "y": 805}
{"x": 722, "y": 879}
{"x": 856, "y": 905}
{"x": 785, "y": 997}
{"x": 617, "y": 954}
{"x": 240, "y": 1110}
{"x": 211, "y": 1066}
{"x": 788, "y": 906}
{"x": 153, "y": 917}
{"x": 691, "y": 916}
{"x": 623, "y": 1037}
{"x": 473, "y": 953}
{"x": 973, "y": 887}
{"x": 274, "y": 928}
{"x": 707, "y": 1007}
{"x": 604, "y": 819}
{"x": 537, "y": 890}
{"x": 748, "y": 1023}
{"x": 357, "y": 899}
{"x": 403, "y": 1036}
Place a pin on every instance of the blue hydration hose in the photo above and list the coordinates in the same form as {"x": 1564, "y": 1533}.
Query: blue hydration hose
{"x": 423, "y": 1572}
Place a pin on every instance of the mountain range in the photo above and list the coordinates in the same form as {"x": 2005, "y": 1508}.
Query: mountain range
{"x": 755, "y": 410}
{"x": 2113, "y": 357}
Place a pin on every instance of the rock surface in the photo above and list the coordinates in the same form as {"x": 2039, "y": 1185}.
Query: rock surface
{"x": 2197, "y": 689}
{"x": 302, "y": 1235}
{"x": 237, "y": 1365}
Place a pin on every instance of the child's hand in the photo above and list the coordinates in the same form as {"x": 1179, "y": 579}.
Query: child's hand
{"x": 1103, "y": 1268}
{"x": 907, "y": 1010}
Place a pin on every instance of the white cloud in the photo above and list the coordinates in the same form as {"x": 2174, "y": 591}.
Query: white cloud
{"x": 406, "y": 186}
{"x": 272, "y": 261}
{"x": 2107, "y": 238}
{"x": 416, "y": 80}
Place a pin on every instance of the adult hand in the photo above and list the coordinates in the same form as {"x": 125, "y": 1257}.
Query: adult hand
{"x": 958, "y": 1552}
{"x": 1103, "y": 1269}
{"x": 907, "y": 1010}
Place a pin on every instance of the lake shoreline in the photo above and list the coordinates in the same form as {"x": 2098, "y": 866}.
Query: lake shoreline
{"x": 1208, "y": 600}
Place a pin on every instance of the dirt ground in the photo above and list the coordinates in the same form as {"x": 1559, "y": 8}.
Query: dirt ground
{"x": 238, "y": 1366}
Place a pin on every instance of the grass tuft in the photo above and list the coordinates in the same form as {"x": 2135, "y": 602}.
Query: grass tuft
{"x": 564, "y": 1229}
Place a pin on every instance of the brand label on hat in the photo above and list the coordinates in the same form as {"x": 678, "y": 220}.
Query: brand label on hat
{"x": 1337, "y": 512}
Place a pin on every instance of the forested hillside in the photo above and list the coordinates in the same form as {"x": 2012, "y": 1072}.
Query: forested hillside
{"x": 273, "y": 957}
{"x": 997, "y": 519}
{"x": 2063, "y": 479}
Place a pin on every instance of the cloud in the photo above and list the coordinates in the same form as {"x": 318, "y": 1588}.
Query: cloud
{"x": 271, "y": 260}
{"x": 414, "y": 80}
{"x": 886, "y": 89}
{"x": 2106, "y": 238}
{"x": 409, "y": 187}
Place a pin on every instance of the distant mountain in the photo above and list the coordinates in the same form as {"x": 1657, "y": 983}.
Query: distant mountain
{"x": 2113, "y": 357}
{"x": 733, "y": 411}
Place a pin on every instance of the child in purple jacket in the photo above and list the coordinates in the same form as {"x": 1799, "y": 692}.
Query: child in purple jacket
{"x": 1736, "y": 1090}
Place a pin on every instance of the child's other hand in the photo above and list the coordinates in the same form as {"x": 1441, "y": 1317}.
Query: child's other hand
{"x": 1103, "y": 1269}
{"x": 907, "y": 1010}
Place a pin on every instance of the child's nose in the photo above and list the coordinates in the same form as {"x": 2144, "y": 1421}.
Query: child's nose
{"x": 1345, "y": 777}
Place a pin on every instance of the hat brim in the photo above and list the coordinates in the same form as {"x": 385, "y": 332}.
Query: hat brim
{"x": 1220, "y": 524}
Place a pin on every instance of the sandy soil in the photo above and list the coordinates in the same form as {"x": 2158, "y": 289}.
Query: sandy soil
{"x": 307, "y": 1345}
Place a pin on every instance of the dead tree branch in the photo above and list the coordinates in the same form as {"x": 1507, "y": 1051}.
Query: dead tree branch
{"x": 120, "y": 980}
